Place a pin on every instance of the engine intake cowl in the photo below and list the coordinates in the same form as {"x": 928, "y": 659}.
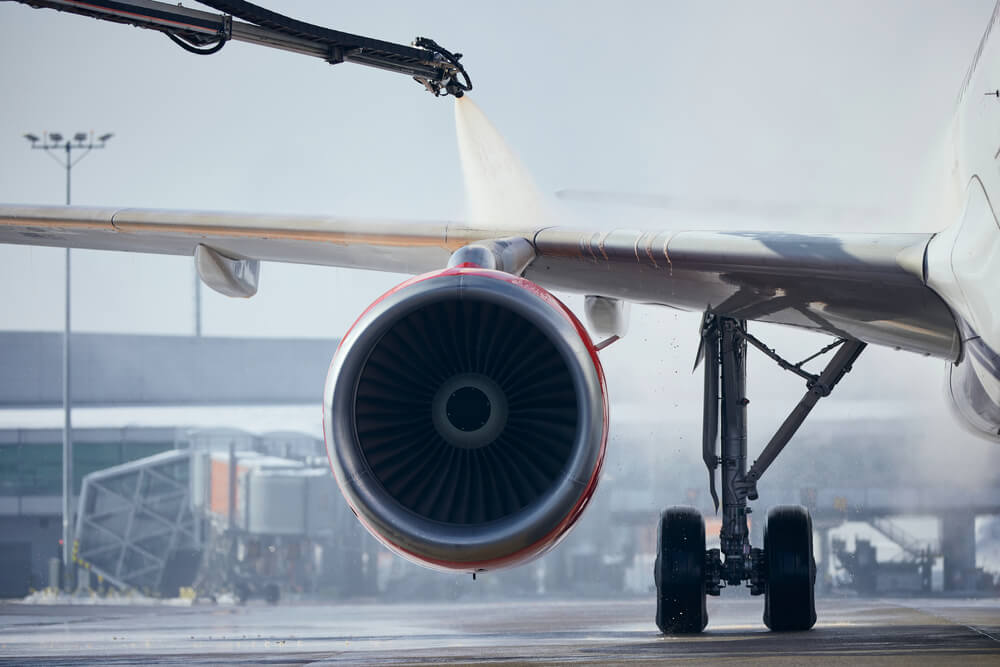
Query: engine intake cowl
{"x": 465, "y": 419}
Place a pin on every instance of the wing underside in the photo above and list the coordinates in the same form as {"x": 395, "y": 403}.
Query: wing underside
{"x": 865, "y": 286}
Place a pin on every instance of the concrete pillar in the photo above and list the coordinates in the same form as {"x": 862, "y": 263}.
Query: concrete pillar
{"x": 824, "y": 575}
{"x": 958, "y": 546}
{"x": 55, "y": 572}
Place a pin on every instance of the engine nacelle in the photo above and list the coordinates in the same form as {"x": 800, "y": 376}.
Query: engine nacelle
{"x": 465, "y": 419}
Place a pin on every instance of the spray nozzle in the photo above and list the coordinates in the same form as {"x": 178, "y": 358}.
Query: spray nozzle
{"x": 453, "y": 80}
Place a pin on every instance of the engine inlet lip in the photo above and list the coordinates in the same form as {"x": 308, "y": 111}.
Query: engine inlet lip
{"x": 450, "y": 546}
{"x": 452, "y": 432}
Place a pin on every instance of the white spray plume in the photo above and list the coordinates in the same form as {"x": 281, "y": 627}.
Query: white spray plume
{"x": 499, "y": 191}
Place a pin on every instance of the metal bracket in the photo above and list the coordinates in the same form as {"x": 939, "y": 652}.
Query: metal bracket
{"x": 786, "y": 365}
{"x": 758, "y": 572}
{"x": 821, "y": 387}
{"x": 607, "y": 342}
{"x": 713, "y": 572}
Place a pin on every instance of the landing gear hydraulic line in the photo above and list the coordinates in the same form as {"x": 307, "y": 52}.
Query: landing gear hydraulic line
{"x": 784, "y": 570}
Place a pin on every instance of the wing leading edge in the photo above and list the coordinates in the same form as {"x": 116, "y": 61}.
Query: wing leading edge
{"x": 865, "y": 286}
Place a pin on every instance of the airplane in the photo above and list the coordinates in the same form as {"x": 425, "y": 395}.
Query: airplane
{"x": 466, "y": 411}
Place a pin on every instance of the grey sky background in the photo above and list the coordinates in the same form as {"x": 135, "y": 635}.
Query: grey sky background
{"x": 828, "y": 106}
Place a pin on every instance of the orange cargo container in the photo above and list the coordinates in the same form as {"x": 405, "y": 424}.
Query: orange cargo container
{"x": 219, "y": 497}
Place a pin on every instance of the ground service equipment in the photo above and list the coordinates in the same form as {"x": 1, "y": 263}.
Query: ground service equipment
{"x": 205, "y": 33}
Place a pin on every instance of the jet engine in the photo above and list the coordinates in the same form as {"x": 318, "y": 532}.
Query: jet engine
{"x": 465, "y": 419}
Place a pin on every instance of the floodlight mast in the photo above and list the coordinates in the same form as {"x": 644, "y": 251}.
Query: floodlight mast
{"x": 51, "y": 142}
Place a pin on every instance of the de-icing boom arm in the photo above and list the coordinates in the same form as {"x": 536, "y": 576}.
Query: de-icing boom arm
{"x": 433, "y": 66}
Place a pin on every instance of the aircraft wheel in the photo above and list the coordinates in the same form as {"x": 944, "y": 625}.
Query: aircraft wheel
{"x": 789, "y": 593}
{"x": 679, "y": 572}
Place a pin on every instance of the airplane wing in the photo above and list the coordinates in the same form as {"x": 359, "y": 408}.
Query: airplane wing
{"x": 865, "y": 286}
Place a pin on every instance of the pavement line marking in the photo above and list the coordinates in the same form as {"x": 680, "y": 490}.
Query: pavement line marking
{"x": 980, "y": 631}
{"x": 952, "y": 620}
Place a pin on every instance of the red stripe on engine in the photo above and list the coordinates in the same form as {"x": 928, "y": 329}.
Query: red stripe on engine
{"x": 553, "y": 537}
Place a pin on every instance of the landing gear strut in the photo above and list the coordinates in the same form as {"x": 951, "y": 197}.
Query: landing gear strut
{"x": 784, "y": 571}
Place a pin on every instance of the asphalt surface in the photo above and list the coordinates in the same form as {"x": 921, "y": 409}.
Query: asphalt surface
{"x": 850, "y": 631}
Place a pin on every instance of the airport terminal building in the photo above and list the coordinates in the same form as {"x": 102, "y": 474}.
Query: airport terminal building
{"x": 230, "y": 429}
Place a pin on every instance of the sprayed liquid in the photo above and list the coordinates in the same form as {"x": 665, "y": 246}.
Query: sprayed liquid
{"x": 499, "y": 191}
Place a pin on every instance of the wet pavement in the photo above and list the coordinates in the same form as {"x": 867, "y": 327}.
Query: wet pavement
{"x": 849, "y": 631}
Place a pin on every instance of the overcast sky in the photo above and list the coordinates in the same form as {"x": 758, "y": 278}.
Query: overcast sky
{"x": 829, "y": 106}
{"x": 824, "y": 104}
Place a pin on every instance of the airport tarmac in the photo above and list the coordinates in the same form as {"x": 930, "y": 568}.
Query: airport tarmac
{"x": 850, "y": 631}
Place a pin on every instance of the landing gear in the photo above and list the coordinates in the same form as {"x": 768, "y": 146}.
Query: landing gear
{"x": 680, "y": 572}
{"x": 784, "y": 571}
{"x": 789, "y": 592}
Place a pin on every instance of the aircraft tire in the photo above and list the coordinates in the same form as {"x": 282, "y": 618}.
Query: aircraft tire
{"x": 679, "y": 572}
{"x": 790, "y": 591}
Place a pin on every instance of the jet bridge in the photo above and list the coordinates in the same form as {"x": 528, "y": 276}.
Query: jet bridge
{"x": 240, "y": 521}
{"x": 136, "y": 524}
